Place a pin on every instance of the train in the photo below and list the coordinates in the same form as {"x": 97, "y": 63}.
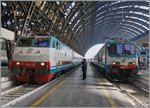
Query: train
{"x": 4, "y": 60}
{"x": 118, "y": 59}
{"x": 9, "y": 36}
{"x": 40, "y": 58}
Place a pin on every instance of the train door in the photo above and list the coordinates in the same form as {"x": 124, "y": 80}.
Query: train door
{"x": 103, "y": 54}
{"x": 57, "y": 54}
{"x": 106, "y": 52}
{"x": 53, "y": 52}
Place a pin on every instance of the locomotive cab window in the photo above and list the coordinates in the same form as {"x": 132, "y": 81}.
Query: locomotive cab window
{"x": 25, "y": 42}
{"x": 112, "y": 49}
{"x": 42, "y": 42}
{"x": 128, "y": 49}
{"x": 121, "y": 49}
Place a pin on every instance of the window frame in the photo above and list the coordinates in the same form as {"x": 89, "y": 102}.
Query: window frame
{"x": 48, "y": 40}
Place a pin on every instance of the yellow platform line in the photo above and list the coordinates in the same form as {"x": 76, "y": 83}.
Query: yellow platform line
{"x": 50, "y": 91}
{"x": 110, "y": 99}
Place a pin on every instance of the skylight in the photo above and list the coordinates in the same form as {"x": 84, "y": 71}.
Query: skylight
{"x": 131, "y": 29}
{"x": 134, "y": 27}
{"x": 4, "y": 4}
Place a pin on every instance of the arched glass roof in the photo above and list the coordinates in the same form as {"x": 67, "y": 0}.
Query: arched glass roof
{"x": 78, "y": 24}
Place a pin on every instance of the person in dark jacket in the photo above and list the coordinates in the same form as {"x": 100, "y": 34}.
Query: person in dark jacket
{"x": 84, "y": 68}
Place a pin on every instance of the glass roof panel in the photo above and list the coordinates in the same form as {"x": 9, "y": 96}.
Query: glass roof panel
{"x": 138, "y": 24}
{"x": 131, "y": 30}
{"x": 4, "y": 4}
{"x": 134, "y": 27}
{"x": 144, "y": 7}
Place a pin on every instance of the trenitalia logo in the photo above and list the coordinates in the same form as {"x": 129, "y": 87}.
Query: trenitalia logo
{"x": 123, "y": 60}
{"x": 29, "y": 51}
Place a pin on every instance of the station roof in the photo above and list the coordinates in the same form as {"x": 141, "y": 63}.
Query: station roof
{"x": 78, "y": 24}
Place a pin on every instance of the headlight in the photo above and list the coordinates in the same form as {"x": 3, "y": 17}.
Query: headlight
{"x": 133, "y": 63}
{"x": 113, "y": 62}
{"x": 17, "y": 63}
{"x": 42, "y": 64}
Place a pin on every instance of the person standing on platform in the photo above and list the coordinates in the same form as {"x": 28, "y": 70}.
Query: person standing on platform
{"x": 84, "y": 68}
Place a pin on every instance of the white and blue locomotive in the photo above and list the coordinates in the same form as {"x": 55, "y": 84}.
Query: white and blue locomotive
{"x": 118, "y": 59}
{"x": 39, "y": 58}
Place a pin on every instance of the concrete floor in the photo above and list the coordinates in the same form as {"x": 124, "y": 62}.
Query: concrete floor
{"x": 95, "y": 91}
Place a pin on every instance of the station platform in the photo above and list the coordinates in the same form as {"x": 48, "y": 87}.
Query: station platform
{"x": 71, "y": 91}
{"x": 144, "y": 74}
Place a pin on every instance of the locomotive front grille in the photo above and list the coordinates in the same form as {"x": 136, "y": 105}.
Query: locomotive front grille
{"x": 18, "y": 70}
{"x": 30, "y": 57}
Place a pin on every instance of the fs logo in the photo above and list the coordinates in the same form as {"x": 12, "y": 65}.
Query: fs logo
{"x": 29, "y": 51}
{"x": 123, "y": 60}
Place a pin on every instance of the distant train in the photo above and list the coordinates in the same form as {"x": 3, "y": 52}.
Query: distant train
{"x": 5, "y": 35}
{"x": 38, "y": 59}
{"x": 4, "y": 60}
{"x": 118, "y": 59}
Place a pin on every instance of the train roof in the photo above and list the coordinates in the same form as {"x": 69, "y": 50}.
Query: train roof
{"x": 34, "y": 36}
{"x": 117, "y": 42}
{"x": 47, "y": 36}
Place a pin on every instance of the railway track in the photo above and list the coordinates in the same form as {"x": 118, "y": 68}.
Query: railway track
{"x": 14, "y": 93}
{"x": 138, "y": 95}
{"x": 140, "y": 83}
{"x": 136, "y": 92}
{"x": 17, "y": 94}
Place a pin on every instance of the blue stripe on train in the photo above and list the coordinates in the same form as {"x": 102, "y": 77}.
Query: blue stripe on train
{"x": 61, "y": 67}
{"x": 105, "y": 66}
